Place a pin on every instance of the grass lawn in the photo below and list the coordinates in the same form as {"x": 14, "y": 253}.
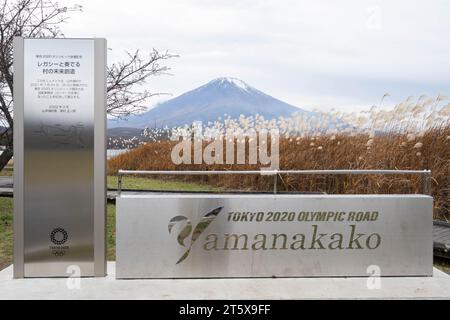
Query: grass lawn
{"x": 6, "y": 235}
{"x": 7, "y": 171}
{"x": 6, "y": 231}
{"x": 111, "y": 232}
{"x": 145, "y": 183}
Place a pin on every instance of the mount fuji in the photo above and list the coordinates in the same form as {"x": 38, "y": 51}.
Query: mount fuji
{"x": 219, "y": 97}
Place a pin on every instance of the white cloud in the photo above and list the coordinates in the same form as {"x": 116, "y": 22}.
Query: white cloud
{"x": 311, "y": 54}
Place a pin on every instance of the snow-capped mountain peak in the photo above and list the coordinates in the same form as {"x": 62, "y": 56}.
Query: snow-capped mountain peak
{"x": 229, "y": 81}
{"x": 210, "y": 102}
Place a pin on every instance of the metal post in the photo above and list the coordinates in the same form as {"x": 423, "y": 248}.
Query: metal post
{"x": 275, "y": 180}
{"x": 427, "y": 183}
{"x": 119, "y": 184}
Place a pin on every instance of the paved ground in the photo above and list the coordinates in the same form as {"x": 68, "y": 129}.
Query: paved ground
{"x": 6, "y": 186}
{"x": 434, "y": 287}
{"x": 6, "y": 182}
{"x": 441, "y": 239}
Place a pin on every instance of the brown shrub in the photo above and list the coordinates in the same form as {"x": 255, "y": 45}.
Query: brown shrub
{"x": 390, "y": 151}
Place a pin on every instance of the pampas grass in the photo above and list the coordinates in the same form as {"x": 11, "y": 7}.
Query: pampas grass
{"x": 404, "y": 138}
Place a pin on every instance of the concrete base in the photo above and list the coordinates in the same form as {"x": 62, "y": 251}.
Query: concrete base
{"x": 435, "y": 287}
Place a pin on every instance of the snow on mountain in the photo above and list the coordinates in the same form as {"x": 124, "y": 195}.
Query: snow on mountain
{"x": 210, "y": 102}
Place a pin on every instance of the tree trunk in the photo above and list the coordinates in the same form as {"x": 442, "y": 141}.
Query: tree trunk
{"x": 5, "y": 157}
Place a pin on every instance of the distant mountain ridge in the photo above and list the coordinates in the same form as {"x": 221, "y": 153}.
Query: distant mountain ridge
{"x": 210, "y": 102}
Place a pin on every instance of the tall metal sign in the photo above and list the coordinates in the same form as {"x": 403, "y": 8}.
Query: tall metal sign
{"x": 59, "y": 157}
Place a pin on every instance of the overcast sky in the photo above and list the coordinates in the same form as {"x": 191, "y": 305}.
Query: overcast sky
{"x": 312, "y": 54}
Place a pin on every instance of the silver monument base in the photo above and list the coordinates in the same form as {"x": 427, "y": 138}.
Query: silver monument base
{"x": 208, "y": 235}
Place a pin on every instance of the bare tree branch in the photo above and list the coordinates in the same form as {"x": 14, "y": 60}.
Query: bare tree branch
{"x": 42, "y": 19}
{"x": 124, "y": 76}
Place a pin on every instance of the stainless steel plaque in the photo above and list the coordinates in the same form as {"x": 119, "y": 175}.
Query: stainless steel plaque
{"x": 59, "y": 156}
{"x": 178, "y": 236}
